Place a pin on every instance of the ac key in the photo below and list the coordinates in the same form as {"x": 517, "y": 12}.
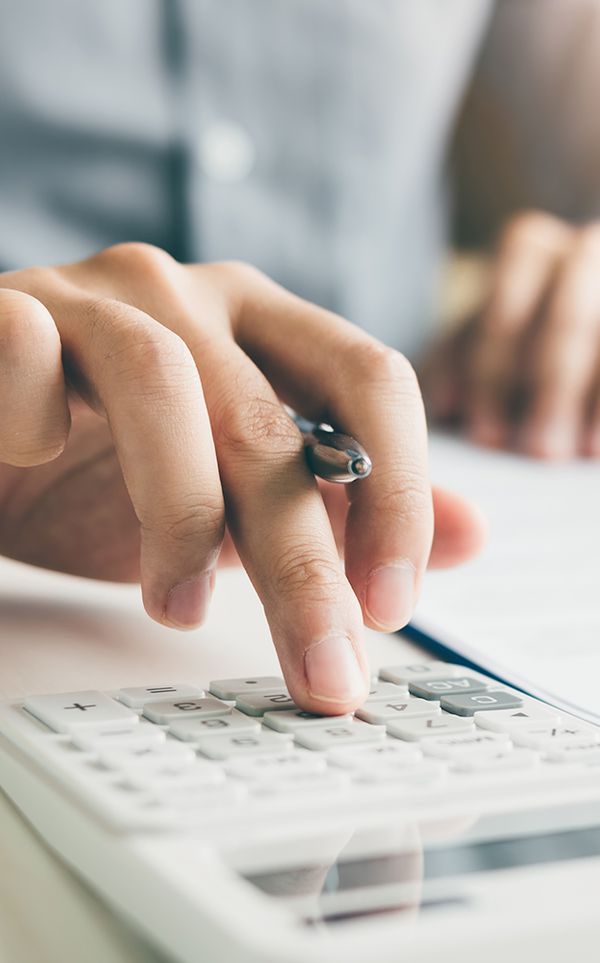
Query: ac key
{"x": 436, "y": 688}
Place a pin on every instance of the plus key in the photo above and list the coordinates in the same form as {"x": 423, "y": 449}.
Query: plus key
{"x": 69, "y": 711}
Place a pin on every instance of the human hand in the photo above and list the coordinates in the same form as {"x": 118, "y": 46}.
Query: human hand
{"x": 173, "y": 376}
{"x": 525, "y": 373}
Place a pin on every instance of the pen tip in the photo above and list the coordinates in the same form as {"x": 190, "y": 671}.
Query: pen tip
{"x": 360, "y": 467}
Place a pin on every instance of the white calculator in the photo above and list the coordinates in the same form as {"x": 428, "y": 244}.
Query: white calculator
{"x": 450, "y": 818}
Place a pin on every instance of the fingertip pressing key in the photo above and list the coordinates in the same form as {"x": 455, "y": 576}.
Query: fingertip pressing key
{"x": 333, "y": 672}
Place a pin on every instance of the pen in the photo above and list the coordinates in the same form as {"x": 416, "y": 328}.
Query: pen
{"x": 332, "y": 455}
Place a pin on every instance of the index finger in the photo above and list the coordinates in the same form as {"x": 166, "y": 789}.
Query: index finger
{"x": 333, "y": 372}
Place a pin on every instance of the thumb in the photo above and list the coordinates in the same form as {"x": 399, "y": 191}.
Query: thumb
{"x": 460, "y": 529}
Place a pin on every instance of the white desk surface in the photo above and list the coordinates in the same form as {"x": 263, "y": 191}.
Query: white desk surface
{"x": 59, "y": 634}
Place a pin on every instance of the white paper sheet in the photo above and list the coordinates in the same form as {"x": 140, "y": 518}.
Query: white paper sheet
{"x": 528, "y": 609}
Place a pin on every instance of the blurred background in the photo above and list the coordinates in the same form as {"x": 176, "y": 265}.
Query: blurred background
{"x": 349, "y": 150}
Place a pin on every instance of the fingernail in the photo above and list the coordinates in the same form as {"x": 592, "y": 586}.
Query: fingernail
{"x": 391, "y": 594}
{"x": 187, "y": 602}
{"x": 332, "y": 670}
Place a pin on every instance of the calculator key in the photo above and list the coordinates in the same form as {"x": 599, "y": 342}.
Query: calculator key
{"x": 128, "y": 808}
{"x": 436, "y": 688}
{"x": 72, "y": 762}
{"x": 326, "y": 737}
{"x": 189, "y": 779}
{"x": 413, "y": 730}
{"x": 390, "y": 752}
{"x": 143, "y": 736}
{"x": 506, "y": 759}
{"x": 584, "y": 751}
{"x": 320, "y": 786}
{"x": 294, "y": 720}
{"x": 230, "y": 689}
{"x": 507, "y": 720}
{"x": 424, "y": 775}
{"x": 191, "y": 729}
{"x": 205, "y": 801}
{"x": 381, "y": 691}
{"x": 138, "y": 696}
{"x": 171, "y": 757}
{"x": 68, "y": 711}
{"x": 165, "y": 712}
{"x": 415, "y": 672}
{"x": 277, "y": 766}
{"x": 463, "y": 743}
{"x": 244, "y": 744}
{"x": 261, "y": 702}
{"x": 468, "y": 705}
{"x": 548, "y": 738}
{"x": 407, "y": 707}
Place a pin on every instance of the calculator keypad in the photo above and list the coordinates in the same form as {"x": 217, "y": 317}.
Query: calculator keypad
{"x": 167, "y": 756}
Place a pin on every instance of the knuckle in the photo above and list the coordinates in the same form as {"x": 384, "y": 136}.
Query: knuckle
{"x": 300, "y": 572}
{"x": 139, "y": 257}
{"x": 257, "y": 426}
{"x": 30, "y": 349}
{"x": 141, "y": 351}
{"x": 23, "y": 321}
{"x": 196, "y": 522}
{"x": 377, "y": 365}
{"x": 26, "y": 282}
{"x": 241, "y": 283}
{"x": 243, "y": 273}
{"x": 403, "y": 496}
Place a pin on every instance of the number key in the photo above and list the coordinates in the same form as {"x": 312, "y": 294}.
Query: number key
{"x": 257, "y": 705}
{"x": 326, "y": 737}
{"x": 405, "y": 707}
{"x": 165, "y": 712}
{"x": 243, "y": 744}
